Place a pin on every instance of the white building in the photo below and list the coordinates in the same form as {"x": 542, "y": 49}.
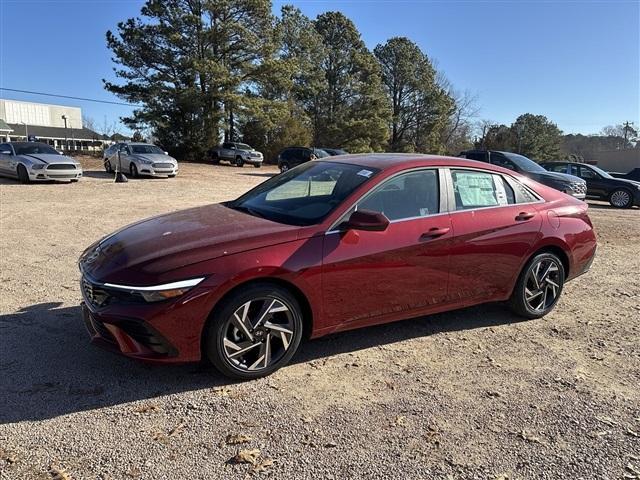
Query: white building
{"x": 58, "y": 125}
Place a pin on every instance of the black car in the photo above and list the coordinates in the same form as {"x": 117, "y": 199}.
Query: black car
{"x": 632, "y": 175}
{"x": 568, "y": 184}
{"x": 335, "y": 151}
{"x": 293, "y": 156}
{"x": 619, "y": 192}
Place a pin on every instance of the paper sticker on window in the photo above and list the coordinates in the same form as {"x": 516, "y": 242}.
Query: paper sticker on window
{"x": 365, "y": 173}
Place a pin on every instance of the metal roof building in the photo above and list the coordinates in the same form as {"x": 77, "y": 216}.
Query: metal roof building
{"x": 58, "y": 125}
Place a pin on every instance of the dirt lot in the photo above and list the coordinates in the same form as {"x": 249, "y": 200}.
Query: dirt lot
{"x": 469, "y": 394}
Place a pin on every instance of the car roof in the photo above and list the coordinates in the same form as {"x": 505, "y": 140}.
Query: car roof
{"x": 385, "y": 161}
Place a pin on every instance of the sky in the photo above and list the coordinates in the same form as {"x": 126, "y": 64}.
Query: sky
{"x": 577, "y": 62}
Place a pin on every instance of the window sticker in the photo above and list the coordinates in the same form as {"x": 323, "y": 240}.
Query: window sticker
{"x": 365, "y": 173}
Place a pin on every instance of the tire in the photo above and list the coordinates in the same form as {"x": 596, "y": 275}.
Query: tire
{"x": 107, "y": 166}
{"x": 227, "y": 334}
{"x": 530, "y": 297}
{"x": 257, "y": 165}
{"x": 621, "y": 198}
{"x": 215, "y": 159}
{"x": 133, "y": 170}
{"x": 23, "y": 176}
{"x": 284, "y": 166}
{"x": 239, "y": 162}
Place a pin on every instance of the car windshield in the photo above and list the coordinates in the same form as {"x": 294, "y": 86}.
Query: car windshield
{"x": 600, "y": 171}
{"x": 304, "y": 195}
{"x": 146, "y": 149}
{"x": 33, "y": 148}
{"x": 523, "y": 162}
{"x": 243, "y": 146}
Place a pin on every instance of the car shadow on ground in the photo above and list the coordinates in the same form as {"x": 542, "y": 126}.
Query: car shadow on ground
{"x": 97, "y": 174}
{"x": 48, "y": 368}
{"x": 606, "y": 206}
{"x": 263, "y": 175}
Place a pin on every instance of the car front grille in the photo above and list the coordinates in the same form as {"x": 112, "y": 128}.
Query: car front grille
{"x": 579, "y": 187}
{"x": 61, "y": 166}
{"x": 94, "y": 294}
{"x": 162, "y": 165}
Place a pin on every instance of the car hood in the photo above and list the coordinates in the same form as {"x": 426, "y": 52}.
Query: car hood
{"x": 551, "y": 176}
{"x": 47, "y": 158}
{"x": 154, "y": 157}
{"x": 152, "y": 248}
{"x": 623, "y": 181}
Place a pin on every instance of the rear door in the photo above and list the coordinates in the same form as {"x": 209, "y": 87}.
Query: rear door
{"x": 495, "y": 224}
{"x": 401, "y": 271}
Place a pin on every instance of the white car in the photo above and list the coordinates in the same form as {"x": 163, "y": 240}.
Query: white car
{"x": 141, "y": 159}
{"x": 37, "y": 162}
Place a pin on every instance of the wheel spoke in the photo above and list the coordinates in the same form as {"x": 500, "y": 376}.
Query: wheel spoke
{"x": 242, "y": 322}
{"x": 267, "y": 350}
{"x": 244, "y": 348}
{"x": 261, "y": 356}
{"x": 266, "y": 308}
{"x": 531, "y": 295}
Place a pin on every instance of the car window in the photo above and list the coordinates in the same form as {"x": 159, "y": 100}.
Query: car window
{"x": 504, "y": 162}
{"x": 587, "y": 173}
{"x": 286, "y": 154}
{"x": 304, "y": 195}
{"x": 480, "y": 156}
{"x": 412, "y": 194}
{"x": 227, "y": 145}
{"x": 4, "y": 147}
{"x": 560, "y": 168}
{"x": 474, "y": 189}
{"x": 573, "y": 170}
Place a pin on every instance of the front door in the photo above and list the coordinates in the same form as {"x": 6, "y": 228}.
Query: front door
{"x": 494, "y": 227}
{"x": 402, "y": 270}
{"x": 596, "y": 185}
{"x": 6, "y": 158}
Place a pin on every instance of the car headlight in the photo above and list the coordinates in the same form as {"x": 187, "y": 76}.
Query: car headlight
{"x": 158, "y": 293}
{"x": 145, "y": 161}
{"x": 38, "y": 166}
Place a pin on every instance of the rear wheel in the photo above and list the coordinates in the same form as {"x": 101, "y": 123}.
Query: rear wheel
{"x": 215, "y": 159}
{"x": 539, "y": 286}
{"x": 255, "y": 332}
{"x": 23, "y": 176}
{"x": 133, "y": 170}
{"x": 621, "y": 198}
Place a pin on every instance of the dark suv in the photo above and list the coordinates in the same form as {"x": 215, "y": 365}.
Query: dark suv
{"x": 568, "y": 184}
{"x": 293, "y": 156}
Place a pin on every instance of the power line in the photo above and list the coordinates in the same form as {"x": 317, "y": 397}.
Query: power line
{"x": 73, "y": 98}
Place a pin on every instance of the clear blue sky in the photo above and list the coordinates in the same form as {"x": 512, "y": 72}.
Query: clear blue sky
{"x": 577, "y": 62}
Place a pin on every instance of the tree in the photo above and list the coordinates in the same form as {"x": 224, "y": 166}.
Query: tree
{"x": 625, "y": 133}
{"x": 351, "y": 111}
{"x": 536, "y": 137}
{"x": 189, "y": 62}
{"x": 419, "y": 106}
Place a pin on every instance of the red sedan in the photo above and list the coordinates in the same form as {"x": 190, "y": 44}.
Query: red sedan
{"x": 331, "y": 245}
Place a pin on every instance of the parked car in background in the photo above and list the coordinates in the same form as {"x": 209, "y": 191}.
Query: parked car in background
{"x": 293, "y": 156}
{"x": 37, "y": 162}
{"x": 335, "y": 244}
{"x": 335, "y": 151}
{"x": 237, "y": 154}
{"x": 109, "y": 151}
{"x": 141, "y": 159}
{"x": 619, "y": 192}
{"x": 569, "y": 184}
{"x": 632, "y": 175}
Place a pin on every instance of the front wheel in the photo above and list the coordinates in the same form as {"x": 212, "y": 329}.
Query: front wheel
{"x": 621, "y": 198}
{"x": 23, "y": 176}
{"x": 284, "y": 167}
{"x": 133, "y": 170}
{"x": 539, "y": 286}
{"x": 257, "y": 165}
{"x": 239, "y": 162}
{"x": 255, "y": 332}
{"x": 107, "y": 166}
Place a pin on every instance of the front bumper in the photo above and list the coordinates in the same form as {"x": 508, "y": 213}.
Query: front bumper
{"x": 151, "y": 171}
{"x": 161, "y": 332}
{"x": 45, "y": 175}
{"x": 253, "y": 160}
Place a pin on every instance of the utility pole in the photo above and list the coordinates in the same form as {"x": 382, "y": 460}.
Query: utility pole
{"x": 66, "y": 142}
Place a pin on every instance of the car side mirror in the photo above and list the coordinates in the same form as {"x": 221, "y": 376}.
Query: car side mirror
{"x": 367, "y": 220}
{"x": 166, "y": 153}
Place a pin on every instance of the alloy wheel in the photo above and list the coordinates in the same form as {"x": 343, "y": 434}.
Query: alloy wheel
{"x": 620, "y": 198}
{"x": 258, "y": 334}
{"x": 543, "y": 285}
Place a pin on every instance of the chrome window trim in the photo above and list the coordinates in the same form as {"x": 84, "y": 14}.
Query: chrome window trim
{"x": 443, "y": 197}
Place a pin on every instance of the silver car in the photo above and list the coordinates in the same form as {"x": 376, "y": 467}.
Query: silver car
{"x": 137, "y": 159}
{"x": 37, "y": 162}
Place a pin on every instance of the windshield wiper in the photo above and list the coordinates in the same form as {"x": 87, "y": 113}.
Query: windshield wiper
{"x": 250, "y": 211}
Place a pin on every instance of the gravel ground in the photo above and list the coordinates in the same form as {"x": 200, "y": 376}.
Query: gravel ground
{"x": 475, "y": 393}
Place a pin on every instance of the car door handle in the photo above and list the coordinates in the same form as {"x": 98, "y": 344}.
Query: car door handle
{"x": 522, "y": 216}
{"x": 434, "y": 232}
